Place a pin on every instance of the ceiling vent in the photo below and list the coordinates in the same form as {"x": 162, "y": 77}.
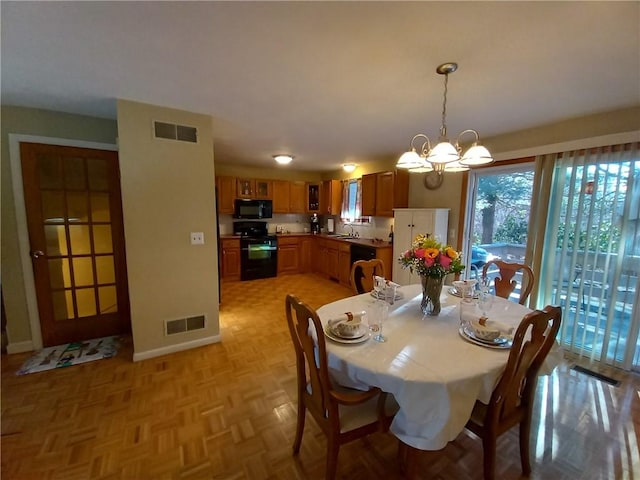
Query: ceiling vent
{"x": 171, "y": 131}
{"x": 181, "y": 325}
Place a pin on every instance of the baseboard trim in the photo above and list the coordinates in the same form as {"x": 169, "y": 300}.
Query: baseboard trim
{"x": 20, "y": 347}
{"x": 179, "y": 347}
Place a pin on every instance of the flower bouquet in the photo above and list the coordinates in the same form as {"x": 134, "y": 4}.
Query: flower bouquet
{"x": 431, "y": 260}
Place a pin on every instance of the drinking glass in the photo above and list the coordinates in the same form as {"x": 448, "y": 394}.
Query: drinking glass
{"x": 485, "y": 299}
{"x": 376, "y": 316}
{"x": 378, "y": 287}
{"x": 390, "y": 294}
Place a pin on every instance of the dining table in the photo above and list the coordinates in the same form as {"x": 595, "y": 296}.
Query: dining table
{"x": 434, "y": 370}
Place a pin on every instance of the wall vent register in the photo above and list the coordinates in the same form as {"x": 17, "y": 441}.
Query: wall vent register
{"x": 171, "y": 131}
{"x": 181, "y": 325}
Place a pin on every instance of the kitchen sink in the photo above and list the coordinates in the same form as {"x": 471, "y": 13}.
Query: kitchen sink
{"x": 341, "y": 235}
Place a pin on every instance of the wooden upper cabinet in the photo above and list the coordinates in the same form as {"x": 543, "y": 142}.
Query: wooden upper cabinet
{"x": 281, "y": 196}
{"x": 263, "y": 189}
{"x": 226, "y": 194}
{"x": 312, "y": 201}
{"x": 384, "y": 191}
{"x": 369, "y": 194}
{"x": 297, "y": 197}
{"x": 245, "y": 188}
{"x": 331, "y": 197}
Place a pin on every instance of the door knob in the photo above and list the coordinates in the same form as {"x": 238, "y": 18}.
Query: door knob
{"x": 37, "y": 254}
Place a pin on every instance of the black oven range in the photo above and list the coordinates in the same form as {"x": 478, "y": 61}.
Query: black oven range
{"x": 258, "y": 250}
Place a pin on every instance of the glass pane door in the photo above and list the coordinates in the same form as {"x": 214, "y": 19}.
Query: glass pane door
{"x": 592, "y": 254}
{"x": 497, "y": 217}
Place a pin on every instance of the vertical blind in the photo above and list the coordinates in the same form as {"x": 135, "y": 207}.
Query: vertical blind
{"x": 589, "y": 261}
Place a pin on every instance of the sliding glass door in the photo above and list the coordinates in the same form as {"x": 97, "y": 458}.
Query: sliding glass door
{"x": 497, "y": 219}
{"x": 591, "y": 254}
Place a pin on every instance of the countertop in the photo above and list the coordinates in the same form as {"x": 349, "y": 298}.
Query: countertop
{"x": 371, "y": 242}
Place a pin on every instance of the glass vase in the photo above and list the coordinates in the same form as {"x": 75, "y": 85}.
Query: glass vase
{"x": 431, "y": 290}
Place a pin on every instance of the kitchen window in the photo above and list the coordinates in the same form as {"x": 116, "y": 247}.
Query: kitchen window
{"x": 352, "y": 202}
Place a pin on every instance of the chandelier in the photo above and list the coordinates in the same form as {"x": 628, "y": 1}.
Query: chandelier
{"x": 445, "y": 156}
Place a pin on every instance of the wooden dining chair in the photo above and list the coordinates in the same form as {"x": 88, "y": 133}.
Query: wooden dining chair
{"x": 362, "y": 272}
{"x": 504, "y": 283}
{"x": 512, "y": 399}
{"x": 343, "y": 414}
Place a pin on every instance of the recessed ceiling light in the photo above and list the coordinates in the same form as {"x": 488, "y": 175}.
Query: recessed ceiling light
{"x": 349, "y": 167}
{"x": 283, "y": 159}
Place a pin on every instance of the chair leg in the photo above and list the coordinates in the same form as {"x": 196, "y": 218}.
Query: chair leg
{"x": 489, "y": 453}
{"x": 299, "y": 427}
{"x": 333, "y": 448}
{"x": 525, "y": 431}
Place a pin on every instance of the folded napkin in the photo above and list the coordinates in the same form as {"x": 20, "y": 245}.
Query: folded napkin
{"x": 388, "y": 283}
{"x": 348, "y": 318}
{"x": 505, "y": 330}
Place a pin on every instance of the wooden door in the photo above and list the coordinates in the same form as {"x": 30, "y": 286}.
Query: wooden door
{"x": 369, "y": 195}
{"x": 297, "y": 197}
{"x": 76, "y": 235}
{"x": 384, "y": 194}
{"x": 281, "y": 196}
{"x": 226, "y": 194}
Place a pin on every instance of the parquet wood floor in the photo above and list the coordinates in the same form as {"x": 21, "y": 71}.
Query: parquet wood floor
{"x": 227, "y": 411}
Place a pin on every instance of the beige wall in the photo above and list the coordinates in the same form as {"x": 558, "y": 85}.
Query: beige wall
{"x": 168, "y": 192}
{"x": 28, "y": 121}
{"x": 149, "y": 167}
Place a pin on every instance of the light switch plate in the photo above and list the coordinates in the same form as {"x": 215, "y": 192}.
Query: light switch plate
{"x": 197, "y": 238}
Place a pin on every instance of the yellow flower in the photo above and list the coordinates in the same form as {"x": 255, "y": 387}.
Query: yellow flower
{"x": 451, "y": 253}
{"x": 431, "y": 252}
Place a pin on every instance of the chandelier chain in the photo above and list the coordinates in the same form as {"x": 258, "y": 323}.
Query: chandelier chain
{"x": 443, "y": 129}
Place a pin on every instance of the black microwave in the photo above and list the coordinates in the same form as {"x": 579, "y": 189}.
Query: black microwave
{"x": 252, "y": 208}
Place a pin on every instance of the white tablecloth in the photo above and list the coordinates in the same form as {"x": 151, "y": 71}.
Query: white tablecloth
{"x": 434, "y": 374}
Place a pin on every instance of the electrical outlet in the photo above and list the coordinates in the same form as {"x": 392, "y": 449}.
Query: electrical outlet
{"x": 197, "y": 238}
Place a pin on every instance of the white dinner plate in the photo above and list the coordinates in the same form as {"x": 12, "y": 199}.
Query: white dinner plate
{"x": 454, "y": 291}
{"x": 501, "y": 343}
{"x": 380, "y": 296}
{"x": 359, "y": 339}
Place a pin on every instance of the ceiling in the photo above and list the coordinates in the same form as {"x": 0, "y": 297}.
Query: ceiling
{"x": 329, "y": 82}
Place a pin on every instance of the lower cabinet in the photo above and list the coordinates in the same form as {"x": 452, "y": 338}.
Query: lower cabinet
{"x": 230, "y": 259}
{"x": 344, "y": 264}
{"x": 305, "y": 248}
{"x": 288, "y": 255}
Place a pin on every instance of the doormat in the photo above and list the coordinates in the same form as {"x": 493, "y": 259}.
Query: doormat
{"x": 72, "y": 353}
{"x": 599, "y": 376}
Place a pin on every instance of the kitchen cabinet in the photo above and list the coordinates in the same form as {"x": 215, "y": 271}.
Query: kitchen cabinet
{"x": 245, "y": 188}
{"x": 281, "y": 196}
{"x": 407, "y": 224}
{"x": 306, "y": 247}
{"x": 230, "y": 258}
{"x": 344, "y": 263}
{"x": 320, "y": 263}
{"x": 297, "y": 197}
{"x": 313, "y": 198}
{"x": 332, "y": 260}
{"x": 263, "y": 189}
{"x": 288, "y": 255}
{"x": 251, "y": 188}
{"x": 384, "y": 191}
{"x": 226, "y": 194}
{"x": 331, "y": 197}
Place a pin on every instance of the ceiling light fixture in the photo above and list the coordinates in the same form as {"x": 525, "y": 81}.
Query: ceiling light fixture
{"x": 445, "y": 156}
{"x": 283, "y": 159}
{"x": 348, "y": 167}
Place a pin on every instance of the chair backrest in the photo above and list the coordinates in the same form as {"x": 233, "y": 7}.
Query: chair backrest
{"x": 311, "y": 355}
{"x": 516, "y": 389}
{"x": 362, "y": 272}
{"x": 505, "y": 284}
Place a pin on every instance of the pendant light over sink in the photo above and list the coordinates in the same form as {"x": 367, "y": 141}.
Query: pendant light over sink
{"x": 445, "y": 156}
